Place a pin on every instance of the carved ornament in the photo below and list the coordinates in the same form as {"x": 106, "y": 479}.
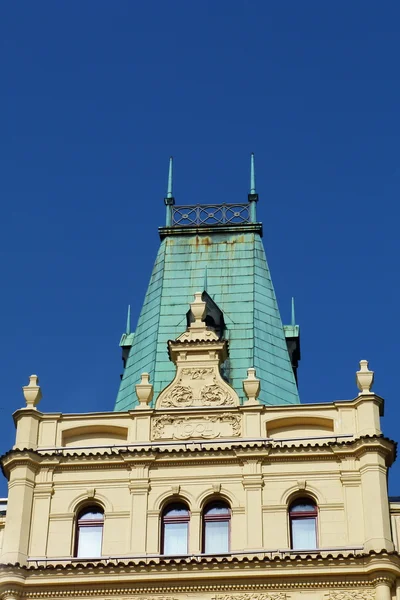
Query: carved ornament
{"x": 186, "y": 428}
{"x": 255, "y": 596}
{"x": 366, "y": 594}
{"x": 198, "y": 354}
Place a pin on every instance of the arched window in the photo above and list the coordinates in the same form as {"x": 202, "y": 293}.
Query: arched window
{"x": 216, "y": 528}
{"x": 175, "y": 529}
{"x": 89, "y": 532}
{"x": 303, "y": 524}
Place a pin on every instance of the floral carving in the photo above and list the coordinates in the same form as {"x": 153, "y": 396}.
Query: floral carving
{"x": 185, "y": 428}
{"x": 197, "y": 373}
{"x": 159, "y": 425}
{"x": 366, "y": 594}
{"x": 254, "y": 596}
{"x": 179, "y": 397}
{"x": 234, "y": 421}
{"x": 214, "y": 395}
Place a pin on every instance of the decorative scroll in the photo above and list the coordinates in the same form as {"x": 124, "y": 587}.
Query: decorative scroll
{"x": 212, "y": 214}
{"x": 186, "y": 428}
{"x": 179, "y": 397}
{"x": 252, "y": 596}
{"x": 215, "y": 395}
{"x": 366, "y": 594}
{"x": 198, "y": 386}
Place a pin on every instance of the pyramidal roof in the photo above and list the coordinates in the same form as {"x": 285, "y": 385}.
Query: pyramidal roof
{"x": 218, "y": 249}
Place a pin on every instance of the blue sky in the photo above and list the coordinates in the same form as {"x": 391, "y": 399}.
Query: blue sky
{"x": 94, "y": 98}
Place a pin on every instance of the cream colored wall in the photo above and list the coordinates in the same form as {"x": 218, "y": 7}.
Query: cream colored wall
{"x": 259, "y": 484}
{"x": 2, "y": 524}
{"x": 351, "y": 418}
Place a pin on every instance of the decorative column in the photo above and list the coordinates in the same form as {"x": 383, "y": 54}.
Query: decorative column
{"x": 383, "y": 588}
{"x": 253, "y": 483}
{"x": 398, "y": 589}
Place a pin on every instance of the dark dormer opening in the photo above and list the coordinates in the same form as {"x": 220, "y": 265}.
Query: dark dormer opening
{"x": 214, "y": 318}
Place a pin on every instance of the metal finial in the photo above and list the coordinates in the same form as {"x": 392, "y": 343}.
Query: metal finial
{"x": 169, "y": 189}
{"x": 293, "y": 314}
{"x": 252, "y": 175}
{"x": 128, "y": 320}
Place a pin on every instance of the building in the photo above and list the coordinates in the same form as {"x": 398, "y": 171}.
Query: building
{"x": 210, "y": 479}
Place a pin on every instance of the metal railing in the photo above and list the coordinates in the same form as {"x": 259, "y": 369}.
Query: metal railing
{"x": 211, "y": 214}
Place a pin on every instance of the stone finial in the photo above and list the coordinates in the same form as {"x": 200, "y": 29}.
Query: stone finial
{"x": 251, "y": 386}
{"x": 364, "y": 378}
{"x": 144, "y": 391}
{"x": 198, "y": 309}
{"x": 32, "y": 392}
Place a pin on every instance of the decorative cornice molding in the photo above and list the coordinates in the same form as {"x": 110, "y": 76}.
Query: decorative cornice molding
{"x": 350, "y": 589}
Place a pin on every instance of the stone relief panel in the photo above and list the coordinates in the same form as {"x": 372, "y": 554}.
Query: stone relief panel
{"x": 365, "y": 594}
{"x": 169, "y": 427}
{"x": 197, "y": 386}
{"x": 254, "y": 596}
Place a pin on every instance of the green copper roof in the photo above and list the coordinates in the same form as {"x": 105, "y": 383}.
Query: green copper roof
{"x": 230, "y": 261}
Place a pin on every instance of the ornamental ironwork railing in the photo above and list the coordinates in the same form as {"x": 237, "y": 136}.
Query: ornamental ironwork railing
{"x": 211, "y": 214}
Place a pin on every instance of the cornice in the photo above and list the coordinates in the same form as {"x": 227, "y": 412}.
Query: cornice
{"x": 353, "y": 572}
{"x": 194, "y": 451}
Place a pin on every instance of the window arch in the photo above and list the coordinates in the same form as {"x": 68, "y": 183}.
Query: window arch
{"x": 216, "y": 527}
{"x": 89, "y": 532}
{"x": 303, "y": 514}
{"x": 175, "y": 529}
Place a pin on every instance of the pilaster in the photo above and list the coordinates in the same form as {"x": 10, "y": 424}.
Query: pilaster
{"x": 375, "y": 502}
{"x": 253, "y": 483}
{"x": 40, "y": 514}
{"x": 19, "y": 513}
{"x": 139, "y": 487}
{"x": 351, "y": 482}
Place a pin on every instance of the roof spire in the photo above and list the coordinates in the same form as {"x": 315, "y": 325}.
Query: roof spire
{"x": 169, "y": 189}
{"x": 293, "y": 319}
{"x": 128, "y": 320}
{"x": 253, "y": 196}
{"x": 252, "y": 175}
{"x": 169, "y": 200}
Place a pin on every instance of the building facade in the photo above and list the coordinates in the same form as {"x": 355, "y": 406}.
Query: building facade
{"x": 210, "y": 479}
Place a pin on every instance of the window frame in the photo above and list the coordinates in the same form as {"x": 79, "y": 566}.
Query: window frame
{"x": 86, "y": 524}
{"x": 215, "y": 518}
{"x": 174, "y": 519}
{"x": 303, "y": 515}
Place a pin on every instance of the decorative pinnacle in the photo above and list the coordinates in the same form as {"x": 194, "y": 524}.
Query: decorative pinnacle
{"x": 32, "y": 392}
{"x": 198, "y": 309}
{"x": 364, "y": 378}
{"x": 252, "y": 175}
{"x": 293, "y": 321}
{"x": 251, "y": 386}
{"x": 128, "y": 320}
{"x": 169, "y": 189}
